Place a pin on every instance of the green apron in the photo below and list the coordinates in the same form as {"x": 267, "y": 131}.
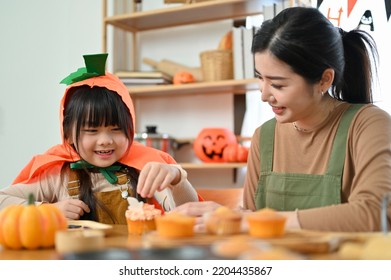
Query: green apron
{"x": 291, "y": 191}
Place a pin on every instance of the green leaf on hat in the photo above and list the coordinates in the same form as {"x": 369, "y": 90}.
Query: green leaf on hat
{"x": 95, "y": 66}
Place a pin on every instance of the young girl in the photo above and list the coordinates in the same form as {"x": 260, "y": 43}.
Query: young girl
{"x": 98, "y": 165}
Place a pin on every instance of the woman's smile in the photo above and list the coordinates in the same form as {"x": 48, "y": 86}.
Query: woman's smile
{"x": 278, "y": 110}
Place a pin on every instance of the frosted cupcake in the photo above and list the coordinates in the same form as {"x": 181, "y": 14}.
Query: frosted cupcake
{"x": 140, "y": 217}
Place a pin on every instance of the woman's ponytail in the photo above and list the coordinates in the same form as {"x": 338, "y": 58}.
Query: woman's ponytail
{"x": 361, "y": 57}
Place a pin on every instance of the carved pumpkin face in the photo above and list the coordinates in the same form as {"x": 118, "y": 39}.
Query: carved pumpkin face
{"x": 211, "y": 142}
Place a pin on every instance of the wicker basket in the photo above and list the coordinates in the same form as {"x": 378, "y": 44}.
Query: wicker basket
{"x": 216, "y": 65}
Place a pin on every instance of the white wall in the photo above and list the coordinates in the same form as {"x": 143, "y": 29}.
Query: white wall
{"x": 382, "y": 28}
{"x": 42, "y": 41}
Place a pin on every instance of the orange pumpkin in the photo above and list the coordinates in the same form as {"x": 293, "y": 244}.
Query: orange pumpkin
{"x": 30, "y": 227}
{"x": 183, "y": 77}
{"x": 235, "y": 153}
{"x": 211, "y": 142}
{"x": 226, "y": 41}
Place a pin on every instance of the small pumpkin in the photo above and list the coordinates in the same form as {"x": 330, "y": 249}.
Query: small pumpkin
{"x": 226, "y": 41}
{"x": 235, "y": 153}
{"x": 183, "y": 77}
{"x": 211, "y": 142}
{"x": 31, "y": 226}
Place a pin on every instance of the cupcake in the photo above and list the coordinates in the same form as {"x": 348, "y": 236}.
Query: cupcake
{"x": 266, "y": 223}
{"x": 175, "y": 225}
{"x": 223, "y": 221}
{"x": 140, "y": 217}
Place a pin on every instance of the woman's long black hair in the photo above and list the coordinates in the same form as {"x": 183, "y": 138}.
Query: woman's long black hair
{"x": 307, "y": 41}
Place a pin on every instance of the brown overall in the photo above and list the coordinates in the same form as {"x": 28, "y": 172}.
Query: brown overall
{"x": 112, "y": 200}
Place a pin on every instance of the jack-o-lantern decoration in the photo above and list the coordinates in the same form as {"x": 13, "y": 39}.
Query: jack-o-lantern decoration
{"x": 211, "y": 142}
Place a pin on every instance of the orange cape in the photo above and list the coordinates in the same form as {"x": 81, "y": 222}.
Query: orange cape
{"x": 137, "y": 156}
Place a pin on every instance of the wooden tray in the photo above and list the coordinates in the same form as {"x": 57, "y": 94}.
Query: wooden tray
{"x": 87, "y": 224}
{"x": 306, "y": 242}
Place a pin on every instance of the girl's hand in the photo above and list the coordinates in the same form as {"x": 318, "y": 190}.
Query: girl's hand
{"x": 156, "y": 176}
{"x": 72, "y": 208}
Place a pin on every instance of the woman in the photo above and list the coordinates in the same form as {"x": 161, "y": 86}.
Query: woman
{"x": 324, "y": 161}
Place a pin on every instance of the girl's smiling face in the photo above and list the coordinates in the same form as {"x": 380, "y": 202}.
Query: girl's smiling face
{"x": 102, "y": 146}
{"x": 292, "y": 98}
{"x": 98, "y": 125}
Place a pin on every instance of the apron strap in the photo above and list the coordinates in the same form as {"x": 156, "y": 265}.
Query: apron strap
{"x": 337, "y": 157}
{"x": 338, "y": 153}
{"x": 267, "y": 144}
{"x": 74, "y": 183}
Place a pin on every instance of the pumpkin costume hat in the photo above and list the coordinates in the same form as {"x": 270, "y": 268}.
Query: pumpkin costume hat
{"x": 93, "y": 74}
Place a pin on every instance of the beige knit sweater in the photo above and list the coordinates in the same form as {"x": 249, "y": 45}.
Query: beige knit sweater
{"x": 366, "y": 175}
{"x": 51, "y": 187}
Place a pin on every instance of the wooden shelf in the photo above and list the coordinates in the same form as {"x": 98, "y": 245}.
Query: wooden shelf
{"x": 190, "y": 141}
{"x": 217, "y": 87}
{"x": 180, "y": 15}
{"x": 188, "y": 14}
{"x": 213, "y": 165}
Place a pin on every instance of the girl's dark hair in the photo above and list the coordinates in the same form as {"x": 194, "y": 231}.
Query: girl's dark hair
{"x": 307, "y": 41}
{"x": 93, "y": 107}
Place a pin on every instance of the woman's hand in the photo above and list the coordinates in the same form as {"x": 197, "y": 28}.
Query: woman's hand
{"x": 197, "y": 209}
{"x": 72, "y": 208}
{"x": 156, "y": 176}
{"x": 292, "y": 221}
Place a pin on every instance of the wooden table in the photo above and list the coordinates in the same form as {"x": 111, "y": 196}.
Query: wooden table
{"x": 118, "y": 238}
{"x": 323, "y": 245}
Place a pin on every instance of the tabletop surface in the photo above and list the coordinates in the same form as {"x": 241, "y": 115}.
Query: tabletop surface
{"x": 118, "y": 244}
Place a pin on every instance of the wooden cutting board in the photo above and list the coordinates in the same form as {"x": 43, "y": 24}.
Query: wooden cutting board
{"x": 87, "y": 224}
{"x": 306, "y": 242}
